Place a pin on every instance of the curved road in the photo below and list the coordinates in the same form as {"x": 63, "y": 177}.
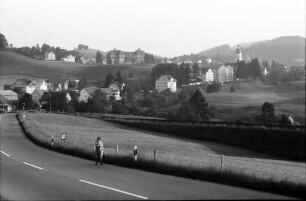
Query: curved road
{"x": 29, "y": 172}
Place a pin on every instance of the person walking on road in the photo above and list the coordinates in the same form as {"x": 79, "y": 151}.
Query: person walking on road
{"x": 99, "y": 151}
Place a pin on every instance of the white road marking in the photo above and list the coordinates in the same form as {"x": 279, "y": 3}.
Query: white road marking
{"x": 113, "y": 189}
{"x": 33, "y": 165}
{"x": 5, "y": 153}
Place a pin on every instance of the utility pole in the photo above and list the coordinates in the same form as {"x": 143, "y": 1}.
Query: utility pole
{"x": 50, "y": 99}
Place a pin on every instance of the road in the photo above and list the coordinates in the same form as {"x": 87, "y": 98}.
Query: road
{"x": 29, "y": 172}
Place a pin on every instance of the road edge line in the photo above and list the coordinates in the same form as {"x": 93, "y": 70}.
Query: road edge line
{"x": 113, "y": 189}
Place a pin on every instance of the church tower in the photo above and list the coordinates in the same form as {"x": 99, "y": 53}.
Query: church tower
{"x": 238, "y": 54}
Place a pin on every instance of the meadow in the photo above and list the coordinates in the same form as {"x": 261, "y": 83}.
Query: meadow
{"x": 17, "y": 64}
{"x": 179, "y": 151}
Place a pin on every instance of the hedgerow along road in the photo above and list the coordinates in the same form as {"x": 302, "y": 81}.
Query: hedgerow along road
{"x": 30, "y": 172}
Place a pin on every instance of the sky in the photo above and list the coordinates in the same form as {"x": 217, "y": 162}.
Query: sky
{"x": 162, "y": 27}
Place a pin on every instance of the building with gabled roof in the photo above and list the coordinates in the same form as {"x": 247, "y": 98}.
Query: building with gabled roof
{"x": 49, "y": 56}
{"x": 9, "y": 95}
{"x": 165, "y": 82}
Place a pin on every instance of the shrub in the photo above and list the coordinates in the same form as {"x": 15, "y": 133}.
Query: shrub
{"x": 213, "y": 87}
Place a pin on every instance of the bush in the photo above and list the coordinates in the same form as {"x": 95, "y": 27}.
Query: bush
{"x": 233, "y": 89}
{"x": 213, "y": 87}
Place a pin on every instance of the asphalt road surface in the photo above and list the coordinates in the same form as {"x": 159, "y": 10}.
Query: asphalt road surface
{"x": 29, "y": 172}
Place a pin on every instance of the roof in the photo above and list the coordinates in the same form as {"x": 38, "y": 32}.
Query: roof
{"x": 106, "y": 91}
{"x": 39, "y": 92}
{"x": 90, "y": 90}
{"x": 167, "y": 77}
{"x": 7, "y": 93}
{"x": 204, "y": 70}
{"x": 3, "y": 100}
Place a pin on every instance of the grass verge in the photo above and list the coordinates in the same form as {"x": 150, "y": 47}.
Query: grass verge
{"x": 211, "y": 174}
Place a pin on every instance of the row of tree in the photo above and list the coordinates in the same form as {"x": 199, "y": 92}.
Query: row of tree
{"x": 249, "y": 69}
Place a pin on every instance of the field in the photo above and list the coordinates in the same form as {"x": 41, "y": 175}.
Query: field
{"x": 244, "y": 103}
{"x": 247, "y": 100}
{"x": 184, "y": 152}
{"x": 16, "y": 64}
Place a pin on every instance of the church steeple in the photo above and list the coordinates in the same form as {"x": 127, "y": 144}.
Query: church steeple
{"x": 238, "y": 54}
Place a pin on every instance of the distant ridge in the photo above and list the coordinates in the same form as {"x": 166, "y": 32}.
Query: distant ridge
{"x": 289, "y": 50}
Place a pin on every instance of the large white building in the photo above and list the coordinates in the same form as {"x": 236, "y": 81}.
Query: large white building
{"x": 223, "y": 74}
{"x": 207, "y": 75}
{"x": 165, "y": 82}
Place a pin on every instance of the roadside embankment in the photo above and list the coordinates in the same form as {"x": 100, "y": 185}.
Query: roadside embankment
{"x": 36, "y": 133}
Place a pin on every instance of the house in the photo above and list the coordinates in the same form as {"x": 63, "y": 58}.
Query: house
{"x": 45, "y": 85}
{"x": 88, "y": 60}
{"x": 49, "y": 56}
{"x": 223, "y": 74}
{"x": 69, "y": 58}
{"x": 87, "y": 93}
{"x": 165, "y": 82}
{"x": 21, "y": 83}
{"x": 30, "y": 88}
{"x": 9, "y": 95}
{"x": 70, "y": 84}
{"x": 5, "y": 104}
{"x": 208, "y": 60}
{"x": 207, "y": 75}
{"x": 122, "y": 57}
{"x": 36, "y": 96}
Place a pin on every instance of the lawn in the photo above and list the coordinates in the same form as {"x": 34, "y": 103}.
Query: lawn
{"x": 180, "y": 151}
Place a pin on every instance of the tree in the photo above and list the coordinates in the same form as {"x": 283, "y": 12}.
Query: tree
{"x": 45, "y": 47}
{"x": 199, "y": 105}
{"x": 119, "y": 78}
{"x": 109, "y": 79}
{"x": 108, "y": 58}
{"x": 27, "y": 102}
{"x": 255, "y": 70}
{"x": 195, "y": 69}
{"x": 99, "y": 57}
{"x": 3, "y": 42}
{"x": 213, "y": 87}
{"x": 265, "y": 64}
{"x": 268, "y": 115}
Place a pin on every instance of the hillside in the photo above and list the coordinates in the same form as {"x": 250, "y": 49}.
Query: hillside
{"x": 289, "y": 50}
{"x": 247, "y": 100}
{"x": 12, "y": 63}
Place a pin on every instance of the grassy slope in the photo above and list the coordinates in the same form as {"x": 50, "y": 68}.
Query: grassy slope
{"x": 250, "y": 96}
{"x": 13, "y": 63}
{"x": 178, "y": 151}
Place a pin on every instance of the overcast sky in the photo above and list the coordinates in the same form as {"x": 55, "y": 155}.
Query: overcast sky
{"x": 162, "y": 27}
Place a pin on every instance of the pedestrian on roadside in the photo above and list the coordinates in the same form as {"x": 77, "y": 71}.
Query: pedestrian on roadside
{"x": 99, "y": 151}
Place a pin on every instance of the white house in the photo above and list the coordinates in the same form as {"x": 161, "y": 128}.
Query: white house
{"x": 30, "y": 88}
{"x": 45, "y": 85}
{"x": 69, "y": 58}
{"x": 207, "y": 75}
{"x": 165, "y": 82}
{"x": 49, "y": 55}
{"x": 208, "y": 60}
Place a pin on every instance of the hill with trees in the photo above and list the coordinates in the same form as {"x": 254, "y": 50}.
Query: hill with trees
{"x": 289, "y": 50}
